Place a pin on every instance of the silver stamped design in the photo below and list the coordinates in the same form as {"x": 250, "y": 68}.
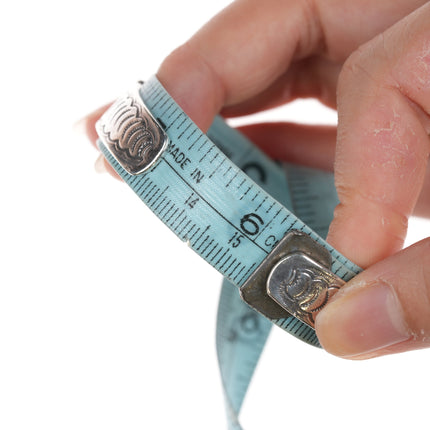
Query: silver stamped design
{"x": 302, "y": 286}
{"x": 131, "y": 134}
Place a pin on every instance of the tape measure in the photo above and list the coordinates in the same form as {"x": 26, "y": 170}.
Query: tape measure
{"x": 257, "y": 222}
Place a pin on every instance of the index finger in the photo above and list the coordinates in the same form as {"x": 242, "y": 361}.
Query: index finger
{"x": 383, "y": 139}
{"x": 251, "y": 43}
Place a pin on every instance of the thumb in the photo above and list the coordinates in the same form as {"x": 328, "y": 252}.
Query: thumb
{"x": 383, "y": 310}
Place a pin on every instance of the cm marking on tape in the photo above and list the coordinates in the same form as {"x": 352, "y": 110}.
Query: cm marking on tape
{"x": 259, "y": 223}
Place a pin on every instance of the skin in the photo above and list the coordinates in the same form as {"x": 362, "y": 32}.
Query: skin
{"x": 370, "y": 61}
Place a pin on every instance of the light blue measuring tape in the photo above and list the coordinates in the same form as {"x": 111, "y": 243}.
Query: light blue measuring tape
{"x": 264, "y": 238}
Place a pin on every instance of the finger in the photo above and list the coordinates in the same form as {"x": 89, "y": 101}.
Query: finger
{"x": 102, "y": 166}
{"x": 309, "y": 145}
{"x": 314, "y": 77}
{"x": 88, "y": 126}
{"x": 383, "y": 310}
{"x": 383, "y": 144}
{"x": 249, "y": 45}
{"x": 312, "y": 146}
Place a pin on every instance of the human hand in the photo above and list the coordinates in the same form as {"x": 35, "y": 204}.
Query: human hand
{"x": 372, "y": 61}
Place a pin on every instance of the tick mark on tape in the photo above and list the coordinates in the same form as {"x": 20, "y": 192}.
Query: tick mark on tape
{"x": 232, "y": 179}
{"x": 219, "y": 165}
{"x": 206, "y": 154}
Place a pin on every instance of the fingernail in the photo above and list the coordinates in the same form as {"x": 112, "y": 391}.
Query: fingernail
{"x": 99, "y": 165}
{"x": 361, "y": 320}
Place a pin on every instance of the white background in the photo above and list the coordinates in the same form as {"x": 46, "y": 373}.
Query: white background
{"x": 106, "y": 320}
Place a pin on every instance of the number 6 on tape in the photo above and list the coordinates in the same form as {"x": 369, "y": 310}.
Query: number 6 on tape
{"x": 283, "y": 268}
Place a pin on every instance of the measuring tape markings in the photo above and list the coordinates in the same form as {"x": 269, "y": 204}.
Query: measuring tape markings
{"x": 230, "y": 221}
{"x": 264, "y": 206}
{"x": 242, "y": 333}
{"x": 211, "y": 204}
